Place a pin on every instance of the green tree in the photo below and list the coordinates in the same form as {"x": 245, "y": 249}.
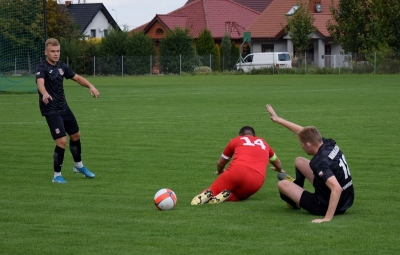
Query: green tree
{"x": 177, "y": 52}
{"x": 205, "y": 42}
{"x": 79, "y": 54}
{"x": 59, "y": 23}
{"x": 216, "y": 59}
{"x": 387, "y": 16}
{"x": 235, "y": 54}
{"x": 225, "y": 51}
{"x": 138, "y": 47}
{"x": 111, "y": 52}
{"x": 205, "y": 46}
{"x": 351, "y": 26}
{"x": 247, "y": 50}
{"x": 300, "y": 27}
{"x": 21, "y": 34}
{"x": 113, "y": 44}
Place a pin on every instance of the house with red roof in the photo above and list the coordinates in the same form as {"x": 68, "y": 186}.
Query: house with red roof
{"x": 265, "y": 20}
{"x": 268, "y": 33}
{"x": 218, "y": 16}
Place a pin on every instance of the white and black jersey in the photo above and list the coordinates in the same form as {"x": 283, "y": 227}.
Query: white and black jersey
{"x": 330, "y": 161}
{"x": 53, "y": 82}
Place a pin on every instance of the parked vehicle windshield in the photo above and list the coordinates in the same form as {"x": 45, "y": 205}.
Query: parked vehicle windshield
{"x": 283, "y": 57}
{"x": 248, "y": 59}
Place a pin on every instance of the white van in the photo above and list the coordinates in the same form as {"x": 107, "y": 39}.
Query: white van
{"x": 265, "y": 60}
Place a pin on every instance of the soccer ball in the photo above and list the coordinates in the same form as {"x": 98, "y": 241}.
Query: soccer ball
{"x": 165, "y": 199}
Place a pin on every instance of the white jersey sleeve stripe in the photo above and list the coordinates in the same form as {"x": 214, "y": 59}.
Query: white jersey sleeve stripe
{"x": 225, "y": 157}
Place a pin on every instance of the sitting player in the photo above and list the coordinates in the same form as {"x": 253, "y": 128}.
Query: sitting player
{"x": 327, "y": 171}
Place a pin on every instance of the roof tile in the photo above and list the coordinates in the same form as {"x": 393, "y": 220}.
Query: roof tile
{"x": 271, "y": 22}
{"x": 218, "y": 16}
{"x": 83, "y": 14}
{"x": 174, "y": 21}
{"x": 257, "y": 5}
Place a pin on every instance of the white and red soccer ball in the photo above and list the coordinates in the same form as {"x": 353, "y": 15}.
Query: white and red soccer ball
{"x": 165, "y": 199}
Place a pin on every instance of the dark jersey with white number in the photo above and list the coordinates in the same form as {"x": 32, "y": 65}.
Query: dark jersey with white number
{"x": 53, "y": 82}
{"x": 330, "y": 161}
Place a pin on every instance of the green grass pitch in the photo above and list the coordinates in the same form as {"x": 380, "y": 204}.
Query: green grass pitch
{"x": 148, "y": 133}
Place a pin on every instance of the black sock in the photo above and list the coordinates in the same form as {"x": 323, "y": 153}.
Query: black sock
{"x": 58, "y": 158}
{"x": 288, "y": 200}
{"x": 300, "y": 178}
{"x": 75, "y": 148}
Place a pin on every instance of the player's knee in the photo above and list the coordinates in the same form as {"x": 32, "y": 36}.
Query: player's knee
{"x": 61, "y": 142}
{"x": 283, "y": 185}
{"x": 76, "y": 136}
{"x": 299, "y": 162}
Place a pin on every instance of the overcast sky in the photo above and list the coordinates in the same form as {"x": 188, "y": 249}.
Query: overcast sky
{"x": 135, "y": 13}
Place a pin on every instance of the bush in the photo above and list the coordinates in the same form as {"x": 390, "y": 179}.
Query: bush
{"x": 139, "y": 47}
{"x": 202, "y": 70}
{"x": 176, "y": 46}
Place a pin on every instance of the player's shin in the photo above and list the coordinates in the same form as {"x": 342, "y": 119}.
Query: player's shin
{"x": 300, "y": 178}
{"x": 58, "y": 159}
{"x": 75, "y": 148}
{"x": 289, "y": 202}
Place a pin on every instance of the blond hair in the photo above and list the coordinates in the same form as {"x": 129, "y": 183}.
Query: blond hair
{"x": 52, "y": 42}
{"x": 310, "y": 134}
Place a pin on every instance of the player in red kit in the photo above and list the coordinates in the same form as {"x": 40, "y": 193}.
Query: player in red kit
{"x": 246, "y": 174}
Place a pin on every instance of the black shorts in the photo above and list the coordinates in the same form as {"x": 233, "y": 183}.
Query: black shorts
{"x": 310, "y": 203}
{"x": 62, "y": 124}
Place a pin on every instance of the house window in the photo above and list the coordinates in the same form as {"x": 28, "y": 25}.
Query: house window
{"x": 293, "y": 10}
{"x": 159, "y": 31}
{"x": 93, "y": 33}
{"x": 105, "y": 32}
{"x": 267, "y": 48}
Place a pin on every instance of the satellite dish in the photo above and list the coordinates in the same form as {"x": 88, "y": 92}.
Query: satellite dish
{"x": 318, "y": 8}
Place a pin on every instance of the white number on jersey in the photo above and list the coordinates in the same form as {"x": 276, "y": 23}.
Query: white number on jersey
{"x": 258, "y": 142}
{"x": 343, "y": 164}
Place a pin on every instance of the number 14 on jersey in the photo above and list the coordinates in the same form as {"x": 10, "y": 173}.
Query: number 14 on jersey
{"x": 257, "y": 142}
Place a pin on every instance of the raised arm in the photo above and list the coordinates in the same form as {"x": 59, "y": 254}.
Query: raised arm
{"x": 289, "y": 125}
{"x": 85, "y": 83}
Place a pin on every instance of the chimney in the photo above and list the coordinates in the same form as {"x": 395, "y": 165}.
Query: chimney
{"x": 311, "y": 6}
{"x": 67, "y": 3}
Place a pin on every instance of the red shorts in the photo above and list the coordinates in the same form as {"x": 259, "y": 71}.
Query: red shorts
{"x": 241, "y": 181}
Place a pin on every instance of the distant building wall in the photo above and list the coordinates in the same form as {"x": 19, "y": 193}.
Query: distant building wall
{"x": 157, "y": 31}
{"x": 99, "y": 24}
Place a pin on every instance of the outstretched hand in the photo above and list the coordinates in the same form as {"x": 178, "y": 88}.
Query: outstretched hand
{"x": 94, "y": 92}
{"x": 279, "y": 171}
{"x": 319, "y": 220}
{"x": 274, "y": 116}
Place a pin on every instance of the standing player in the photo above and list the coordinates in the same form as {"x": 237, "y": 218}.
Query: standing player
{"x": 246, "y": 173}
{"x": 327, "y": 171}
{"x": 53, "y": 105}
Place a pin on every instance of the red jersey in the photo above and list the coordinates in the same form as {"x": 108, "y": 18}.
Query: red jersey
{"x": 250, "y": 151}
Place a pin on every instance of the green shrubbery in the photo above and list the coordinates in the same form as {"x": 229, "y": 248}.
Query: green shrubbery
{"x": 122, "y": 54}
